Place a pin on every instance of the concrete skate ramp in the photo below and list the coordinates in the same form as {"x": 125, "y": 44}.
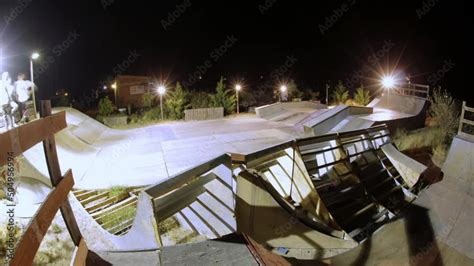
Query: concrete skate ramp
{"x": 395, "y": 110}
{"x": 288, "y": 112}
{"x": 436, "y": 229}
{"x": 460, "y": 160}
{"x": 141, "y": 236}
{"x": 102, "y": 157}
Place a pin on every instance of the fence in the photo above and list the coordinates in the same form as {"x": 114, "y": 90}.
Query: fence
{"x": 411, "y": 89}
{"x": 204, "y": 114}
{"x": 466, "y": 121}
{"x": 18, "y": 140}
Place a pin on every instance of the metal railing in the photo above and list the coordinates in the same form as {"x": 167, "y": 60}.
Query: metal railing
{"x": 466, "y": 121}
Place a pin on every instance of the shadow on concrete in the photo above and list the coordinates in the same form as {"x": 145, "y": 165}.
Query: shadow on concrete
{"x": 423, "y": 249}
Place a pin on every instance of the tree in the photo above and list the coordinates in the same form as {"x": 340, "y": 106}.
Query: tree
{"x": 148, "y": 99}
{"x": 105, "y": 106}
{"x": 176, "y": 102}
{"x": 444, "y": 112}
{"x": 223, "y": 98}
{"x": 294, "y": 91}
{"x": 340, "y": 94}
{"x": 362, "y": 96}
{"x": 199, "y": 99}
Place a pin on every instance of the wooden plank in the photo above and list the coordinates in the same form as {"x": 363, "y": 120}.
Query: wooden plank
{"x": 22, "y": 138}
{"x": 469, "y": 109}
{"x": 462, "y": 117}
{"x": 182, "y": 178}
{"x": 80, "y": 254}
{"x": 107, "y": 202}
{"x": 49, "y": 145}
{"x": 39, "y": 224}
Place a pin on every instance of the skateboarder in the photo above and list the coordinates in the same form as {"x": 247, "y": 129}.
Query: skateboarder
{"x": 23, "y": 90}
{"x": 7, "y": 105}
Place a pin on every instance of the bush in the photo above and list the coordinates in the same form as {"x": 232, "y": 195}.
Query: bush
{"x": 152, "y": 115}
{"x": 340, "y": 94}
{"x": 105, "y": 106}
{"x": 294, "y": 91}
{"x": 199, "y": 99}
{"x": 148, "y": 99}
{"x": 176, "y": 102}
{"x": 444, "y": 113}
{"x": 223, "y": 98}
{"x": 362, "y": 96}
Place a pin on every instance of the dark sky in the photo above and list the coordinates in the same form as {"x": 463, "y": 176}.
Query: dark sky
{"x": 83, "y": 42}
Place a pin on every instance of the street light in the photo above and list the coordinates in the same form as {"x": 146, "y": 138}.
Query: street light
{"x": 161, "y": 91}
{"x": 114, "y": 87}
{"x": 237, "y": 89}
{"x": 283, "y": 89}
{"x": 388, "y": 82}
{"x": 34, "y": 56}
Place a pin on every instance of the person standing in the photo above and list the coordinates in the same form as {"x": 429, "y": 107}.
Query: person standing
{"x": 7, "y": 105}
{"x": 23, "y": 90}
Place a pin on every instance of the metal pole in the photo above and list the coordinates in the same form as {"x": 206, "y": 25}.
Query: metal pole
{"x": 237, "y": 94}
{"x": 327, "y": 94}
{"x": 161, "y": 105}
{"x": 33, "y": 81}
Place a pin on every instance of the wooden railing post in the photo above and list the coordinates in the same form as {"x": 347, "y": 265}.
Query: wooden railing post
{"x": 49, "y": 145}
{"x": 461, "y": 120}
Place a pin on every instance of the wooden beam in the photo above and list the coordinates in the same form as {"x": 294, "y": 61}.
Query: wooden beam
{"x": 182, "y": 178}
{"x": 22, "y": 138}
{"x": 80, "y": 254}
{"x": 49, "y": 145}
{"x": 39, "y": 224}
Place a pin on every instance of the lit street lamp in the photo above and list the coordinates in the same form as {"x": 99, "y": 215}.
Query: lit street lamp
{"x": 34, "y": 56}
{"x": 237, "y": 89}
{"x": 283, "y": 90}
{"x": 161, "y": 91}
{"x": 388, "y": 82}
{"x": 114, "y": 87}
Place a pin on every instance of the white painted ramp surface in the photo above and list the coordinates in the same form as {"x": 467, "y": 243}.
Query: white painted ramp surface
{"x": 460, "y": 160}
{"x": 101, "y": 157}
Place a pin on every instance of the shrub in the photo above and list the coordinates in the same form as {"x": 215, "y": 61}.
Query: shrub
{"x": 362, "y": 96}
{"x": 152, "y": 115}
{"x": 223, "y": 98}
{"x": 176, "y": 102}
{"x": 105, "y": 106}
{"x": 294, "y": 91}
{"x": 340, "y": 94}
{"x": 199, "y": 99}
{"x": 444, "y": 113}
{"x": 148, "y": 99}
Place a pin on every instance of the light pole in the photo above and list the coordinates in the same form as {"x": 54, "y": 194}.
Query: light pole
{"x": 114, "y": 87}
{"x": 34, "y": 56}
{"x": 283, "y": 89}
{"x": 237, "y": 89}
{"x": 161, "y": 91}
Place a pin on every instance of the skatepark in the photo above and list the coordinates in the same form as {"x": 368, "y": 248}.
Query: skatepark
{"x": 336, "y": 187}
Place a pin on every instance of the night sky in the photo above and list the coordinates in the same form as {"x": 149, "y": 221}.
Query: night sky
{"x": 82, "y": 43}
